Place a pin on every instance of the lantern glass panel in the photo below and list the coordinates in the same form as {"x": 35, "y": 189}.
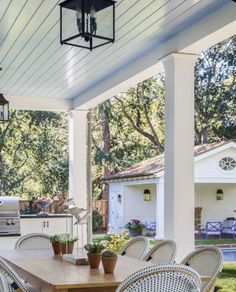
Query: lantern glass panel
{"x": 87, "y": 23}
{"x": 4, "y": 113}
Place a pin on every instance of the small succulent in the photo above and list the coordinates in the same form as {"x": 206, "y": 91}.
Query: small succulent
{"x": 94, "y": 247}
{"x": 67, "y": 239}
{"x": 109, "y": 253}
{"x": 54, "y": 238}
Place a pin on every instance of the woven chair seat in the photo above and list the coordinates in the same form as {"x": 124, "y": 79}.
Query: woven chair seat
{"x": 34, "y": 241}
{"x": 162, "y": 278}
{"x": 135, "y": 248}
{"x": 162, "y": 253}
{"x": 206, "y": 261}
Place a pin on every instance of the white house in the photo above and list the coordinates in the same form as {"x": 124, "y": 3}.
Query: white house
{"x": 215, "y": 188}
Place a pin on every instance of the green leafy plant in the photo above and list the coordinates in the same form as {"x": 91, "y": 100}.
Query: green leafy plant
{"x": 67, "y": 238}
{"x": 116, "y": 241}
{"x": 135, "y": 224}
{"x": 55, "y": 238}
{"x": 97, "y": 220}
{"x": 109, "y": 253}
{"x": 94, "y": 247}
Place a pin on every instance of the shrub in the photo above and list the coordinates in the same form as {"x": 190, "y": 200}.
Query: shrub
{"x": 135, "y": 224}
{"x": 116, "y": 241}
{"x": 97, "y": 220}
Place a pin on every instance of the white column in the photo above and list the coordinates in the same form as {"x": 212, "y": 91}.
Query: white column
{"x": 160, "y": 209}
{"x": 179, "y": 151}
{"x": 79, "y": 163}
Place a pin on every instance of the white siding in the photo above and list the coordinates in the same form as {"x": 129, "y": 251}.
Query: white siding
{"x": 213, "y": 210}
{"x": 136, "y": 207}
{"x": 208, "y": 169}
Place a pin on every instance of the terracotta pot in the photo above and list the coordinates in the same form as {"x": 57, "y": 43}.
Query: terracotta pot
{"x": 67, "y": 248}
{"x": 109, "y": 264}
{"x": 94, "y": 260}
{"x": 56, "y": 247}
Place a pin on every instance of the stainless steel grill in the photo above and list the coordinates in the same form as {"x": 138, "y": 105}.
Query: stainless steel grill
{"x": 9, "y": 216}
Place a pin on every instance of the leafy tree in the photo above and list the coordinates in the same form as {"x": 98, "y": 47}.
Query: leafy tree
{"x": 34, "y": 148}
{"x": 215, "y": 93}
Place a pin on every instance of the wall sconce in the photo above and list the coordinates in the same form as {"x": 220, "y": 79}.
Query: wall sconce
{"x": 219, "y": 195}
{"x": 147, "y": 195}
{"x": 119, "y": 198}
{"x": 4, "y": 109}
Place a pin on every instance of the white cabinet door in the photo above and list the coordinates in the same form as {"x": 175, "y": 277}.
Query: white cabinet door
{"x": 31, "y": 225}
{"x": 48, "y": 226}
{"x": 57, "y": 225}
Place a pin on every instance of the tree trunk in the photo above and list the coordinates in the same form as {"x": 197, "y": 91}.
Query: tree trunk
{"x": 204, "y": 136}
{"x": 106, "y": 150}
{"x": 1, "y": 176}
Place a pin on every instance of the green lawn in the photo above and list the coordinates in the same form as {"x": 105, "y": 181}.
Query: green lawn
{"x": 215, "y": 241}
{"x": 227, "y": 280}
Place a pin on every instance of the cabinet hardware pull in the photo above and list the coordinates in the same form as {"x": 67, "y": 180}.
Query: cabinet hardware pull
{"x": 44, "y": 224}
{"x": 47, "y": 224}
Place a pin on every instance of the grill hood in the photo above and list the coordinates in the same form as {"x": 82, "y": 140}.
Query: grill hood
{"x": 9, "y": 204}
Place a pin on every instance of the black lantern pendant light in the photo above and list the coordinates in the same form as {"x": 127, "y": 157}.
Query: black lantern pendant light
{"x": 4, "y": 109}
{"x": 87, "y": 24}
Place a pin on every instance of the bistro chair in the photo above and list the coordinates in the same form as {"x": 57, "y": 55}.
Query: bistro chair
{"x": 160, "y": 278}
{"x": 34, "y": 241}
{"x": 208, "y": 262}
{"x": 162, "y": 253}
{"x": 4, "y": 285}
{"x": 13, "y": 279}
{"x": 135, "y": 248}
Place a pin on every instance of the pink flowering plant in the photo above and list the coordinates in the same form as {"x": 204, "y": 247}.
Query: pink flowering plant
{"x": 135, "y": 224}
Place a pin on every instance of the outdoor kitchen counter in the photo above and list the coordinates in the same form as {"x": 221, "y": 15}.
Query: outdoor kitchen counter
{"x": 24, "y": 216}
{"x": 52, "y": 224}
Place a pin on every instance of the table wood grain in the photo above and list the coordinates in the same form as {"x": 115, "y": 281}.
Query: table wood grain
{"x": 50, "y": 273}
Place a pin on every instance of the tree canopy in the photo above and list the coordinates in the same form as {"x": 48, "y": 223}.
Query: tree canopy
{"x": 34, "y": 154}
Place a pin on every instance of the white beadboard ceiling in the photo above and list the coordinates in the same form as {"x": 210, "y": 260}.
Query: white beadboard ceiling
{"x": 36, "y": 65}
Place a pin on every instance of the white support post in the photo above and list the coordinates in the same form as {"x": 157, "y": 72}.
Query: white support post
{"x": 179, "y": 152}
{"x": 160, "y": 209}
{"x": 79, "y": 163}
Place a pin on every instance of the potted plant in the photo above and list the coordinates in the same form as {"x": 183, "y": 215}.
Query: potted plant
{"x": 94, "y": 254}
{"x": 135, "y": 227}
{"x": 67, "y": 243}
{"x": 56, "y": 245}
{"x": 109, "y": 259}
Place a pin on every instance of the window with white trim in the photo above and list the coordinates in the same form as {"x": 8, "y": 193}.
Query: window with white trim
{"x": 227, "y": 163}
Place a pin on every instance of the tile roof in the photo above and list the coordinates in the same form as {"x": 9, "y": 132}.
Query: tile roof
{"x": 156, "y": 164}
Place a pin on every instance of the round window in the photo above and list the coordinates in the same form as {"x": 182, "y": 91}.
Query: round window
{"x": 227, "y": 163}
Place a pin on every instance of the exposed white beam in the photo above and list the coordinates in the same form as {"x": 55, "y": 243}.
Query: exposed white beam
{"x": 143, "y": 62}
{"x": 39, "y": 103}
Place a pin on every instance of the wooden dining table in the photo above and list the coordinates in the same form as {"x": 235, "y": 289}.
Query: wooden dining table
{"x": 51, "y": 273}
